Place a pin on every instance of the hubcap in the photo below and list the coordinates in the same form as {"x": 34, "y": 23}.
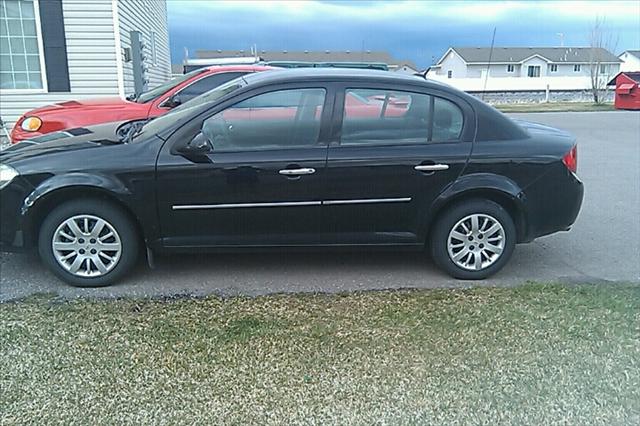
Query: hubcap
{"x": 476, "y": 242}
{"x": 86, "y": 246}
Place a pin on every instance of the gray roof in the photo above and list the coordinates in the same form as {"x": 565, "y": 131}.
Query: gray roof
{"x": 308, "y": 56}
{"x": 519, "y": 54}
{"x": 635, "y": 53}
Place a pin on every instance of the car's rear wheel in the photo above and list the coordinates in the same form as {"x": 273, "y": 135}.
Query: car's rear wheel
{"x": 473, "y": 240}
{"x": 88, "y": 243}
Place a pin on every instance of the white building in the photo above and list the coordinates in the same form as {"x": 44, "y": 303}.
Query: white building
{"x": 630, "y": 60}
{"x": 59, "y": 50}
{"x": 476, "y": 69}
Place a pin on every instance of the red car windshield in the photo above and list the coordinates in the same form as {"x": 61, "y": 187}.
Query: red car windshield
{"x": 164, "y": 88}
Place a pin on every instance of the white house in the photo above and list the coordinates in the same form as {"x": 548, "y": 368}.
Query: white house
{"x": 630, "y": 60}
{"x": 476, "y": 69}
{"x": 58, "y": 50}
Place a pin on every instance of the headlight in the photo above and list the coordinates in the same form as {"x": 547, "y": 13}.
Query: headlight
{"x": 7, "y": 173}
{"x": 31, "y": 124}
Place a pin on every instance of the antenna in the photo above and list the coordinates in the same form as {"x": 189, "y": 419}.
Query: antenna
{"x": 486, "y": 77}
{"x": 561, "y": 35}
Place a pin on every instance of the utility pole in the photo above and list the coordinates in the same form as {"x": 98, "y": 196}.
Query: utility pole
{"x": 561, "y": 35}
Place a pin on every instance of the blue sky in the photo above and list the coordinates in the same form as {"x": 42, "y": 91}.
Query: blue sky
{"x": 417, "y": 31}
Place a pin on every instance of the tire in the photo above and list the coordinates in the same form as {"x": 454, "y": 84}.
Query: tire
{"x": 111, "y": 254}
{"x": 479, "y": 254}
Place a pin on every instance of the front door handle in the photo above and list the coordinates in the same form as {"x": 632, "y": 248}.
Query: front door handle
{"x": 431, "y": 167}
{"x": 297, "y": 172}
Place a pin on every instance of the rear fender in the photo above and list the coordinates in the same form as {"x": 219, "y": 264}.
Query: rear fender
{"x": 483, "y": 185}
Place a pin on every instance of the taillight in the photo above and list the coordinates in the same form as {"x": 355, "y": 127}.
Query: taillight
{"x": 570, "y": 159}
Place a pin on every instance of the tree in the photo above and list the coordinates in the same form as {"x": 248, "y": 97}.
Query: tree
{"x": 601, "y": 42}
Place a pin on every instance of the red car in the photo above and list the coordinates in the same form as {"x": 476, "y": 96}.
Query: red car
{"x": 155, "y": 102}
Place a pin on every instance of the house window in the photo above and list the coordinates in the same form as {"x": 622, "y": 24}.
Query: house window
{"x": 20, "y": 60}
{"x": 449, "y": 74}
{"x": 553, "y": 67}
{"x": 576, "y": 68}
{"x": 533, "y": 71}
{"x": 154, "y": 54}
{"x": 603, "y": 69}
{"x": 510, "y": 68}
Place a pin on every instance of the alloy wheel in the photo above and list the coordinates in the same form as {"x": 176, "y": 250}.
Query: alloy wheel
{"x": 86, "y": 246}
{"x": 476, "y": 242}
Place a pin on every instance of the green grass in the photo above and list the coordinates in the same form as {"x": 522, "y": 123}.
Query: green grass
{"x": 556, "y": 107}
{"x": 537, "y": 354}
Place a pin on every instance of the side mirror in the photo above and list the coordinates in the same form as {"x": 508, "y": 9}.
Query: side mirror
{"x": 197, "y": 149}
{"x": 173, "y": 101}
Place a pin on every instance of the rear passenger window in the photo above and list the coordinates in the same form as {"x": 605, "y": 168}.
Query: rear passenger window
{"x": 379, "y": 116}
{"x": 447, "y": 121}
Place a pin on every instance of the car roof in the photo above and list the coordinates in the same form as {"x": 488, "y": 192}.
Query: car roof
{"x": 315, "y": 74}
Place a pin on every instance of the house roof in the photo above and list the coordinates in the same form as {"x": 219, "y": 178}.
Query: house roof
{"x": 308, "y": 56}
{"x": 633, "y": 75}
{"x": 635, "y": 53}
{"x": 519, "y": 54}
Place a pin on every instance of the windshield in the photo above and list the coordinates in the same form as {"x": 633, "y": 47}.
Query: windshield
{"x": 164, "y": 88}
{"x": 177, "y": 114}
{"x": 212, "y": 95}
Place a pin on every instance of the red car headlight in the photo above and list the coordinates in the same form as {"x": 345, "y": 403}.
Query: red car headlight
{"x": 31, "y": 124}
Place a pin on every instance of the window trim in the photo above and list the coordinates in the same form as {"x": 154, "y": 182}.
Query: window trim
{"x": 43, "y": 71}
{"x": 577, "y": 67}
{"x": 553, "y": 67}
{"x": 449, "y": 73}
{"x": 511, "y": 68}
{"x": 339, "y": 111}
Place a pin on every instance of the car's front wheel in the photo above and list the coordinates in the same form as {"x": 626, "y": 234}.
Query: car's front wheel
{"x": 88, "y": 243}
{"x": 473, "y": 240}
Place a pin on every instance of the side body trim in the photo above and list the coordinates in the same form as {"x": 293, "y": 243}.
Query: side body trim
{"x": 290, "y": 204}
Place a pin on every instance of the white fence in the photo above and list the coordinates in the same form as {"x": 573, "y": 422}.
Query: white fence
{"x": 515, "y": 84}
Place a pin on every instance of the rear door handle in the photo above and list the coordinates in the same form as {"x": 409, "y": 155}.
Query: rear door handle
{"x": 297, "y": 172}
{"x": 431, "y": 167}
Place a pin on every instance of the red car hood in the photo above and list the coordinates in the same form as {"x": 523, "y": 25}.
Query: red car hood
{"x": 112, "y": 103}
{"x": 81, "y": 113}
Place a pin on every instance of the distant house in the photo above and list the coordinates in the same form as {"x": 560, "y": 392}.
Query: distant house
{"x": 523, "y": 68}
{"x": 57, "y": 50}
{"x": 630, "y": 60}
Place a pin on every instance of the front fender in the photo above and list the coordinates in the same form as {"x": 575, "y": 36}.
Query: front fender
{"x": 73, "y": 180}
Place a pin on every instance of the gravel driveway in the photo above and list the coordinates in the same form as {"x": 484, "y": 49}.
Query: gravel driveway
{"x": 604, "y": 244}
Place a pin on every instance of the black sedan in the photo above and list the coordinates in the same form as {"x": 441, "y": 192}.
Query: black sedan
{"x": 292, "y": 159}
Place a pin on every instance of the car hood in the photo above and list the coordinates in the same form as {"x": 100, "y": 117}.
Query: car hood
{"x": 64, "y": 141}
{"x": 110, "y": 103}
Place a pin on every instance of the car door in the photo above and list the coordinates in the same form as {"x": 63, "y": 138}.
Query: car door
{"x": 263, "y": 182}
{"x": 393, "y": 151}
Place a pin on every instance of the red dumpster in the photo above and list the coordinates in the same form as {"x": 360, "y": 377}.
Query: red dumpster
{"x": 627, "y": 90}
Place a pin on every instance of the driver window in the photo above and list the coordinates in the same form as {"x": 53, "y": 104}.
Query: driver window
{"x": 274, "y": 120}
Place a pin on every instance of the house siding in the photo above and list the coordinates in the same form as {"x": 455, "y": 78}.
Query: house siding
{"x": 454, "y": 63}
{"x": 91, "y": 56}
{"x": 146, "y": 16}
